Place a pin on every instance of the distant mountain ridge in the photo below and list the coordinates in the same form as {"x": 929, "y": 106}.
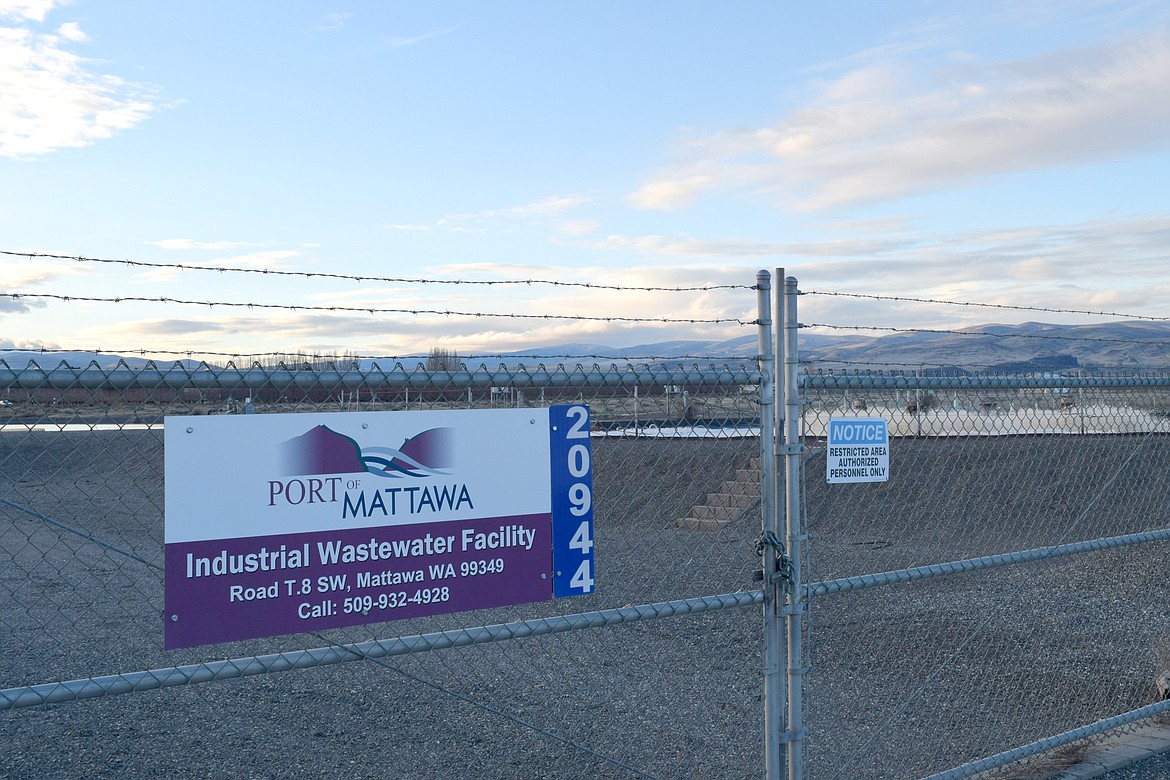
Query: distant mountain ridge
{"x": 1030, "y": 346}
{"x": 16, "y": 358}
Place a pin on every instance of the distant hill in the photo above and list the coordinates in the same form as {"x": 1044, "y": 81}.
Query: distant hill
{"x": 52, "y": 359}
{"x": 1028, "y": 347}
{"x": 1031, "y": 346}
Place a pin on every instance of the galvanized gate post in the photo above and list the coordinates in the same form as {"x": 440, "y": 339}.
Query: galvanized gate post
{"x": 794, "y": 535}
{"x": 774, "y": 696}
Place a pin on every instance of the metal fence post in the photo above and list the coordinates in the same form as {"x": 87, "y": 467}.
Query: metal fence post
{"x": 794, "y": 538}
{"x": 774, "y": 695}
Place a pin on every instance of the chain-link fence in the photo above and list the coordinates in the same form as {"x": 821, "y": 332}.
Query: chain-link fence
{"x": 1000, "y": 598}
{"x": 81, "y": 594}
{"x": 1005, "y": 585}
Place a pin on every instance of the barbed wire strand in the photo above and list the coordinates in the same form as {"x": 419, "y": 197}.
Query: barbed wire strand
{"x": 391, "y": 279}
{"x": 1042, "y": 336}
{"x": 288, "y": 356}
{"x": 378, "y": 310}
{"x": 1007, "y": 306}
{"x": 903, "y": 366}
{"x": 557, "y": 283}
{"x": 318, "y": 360}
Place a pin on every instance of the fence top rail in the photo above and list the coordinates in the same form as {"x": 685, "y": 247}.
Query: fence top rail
{"x": 178, "y": 376}
{"x": 876, "y": 381}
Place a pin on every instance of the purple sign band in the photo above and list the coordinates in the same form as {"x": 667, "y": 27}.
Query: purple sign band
{"x": 232, "y": 589}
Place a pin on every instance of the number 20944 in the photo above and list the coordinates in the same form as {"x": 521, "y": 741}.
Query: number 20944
{"x": 580, "y": 495}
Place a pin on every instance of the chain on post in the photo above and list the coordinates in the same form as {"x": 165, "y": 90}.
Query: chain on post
{"x": 783, "y": 572}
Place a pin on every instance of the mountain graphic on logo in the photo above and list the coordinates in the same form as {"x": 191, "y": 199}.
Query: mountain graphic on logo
{"x": 325, "y": 451}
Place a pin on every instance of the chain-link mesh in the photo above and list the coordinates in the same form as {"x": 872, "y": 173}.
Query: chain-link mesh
{"x": 676, "y": 518}
{"x": 1046, "y": 495}
{"x": 1004, "y": 586}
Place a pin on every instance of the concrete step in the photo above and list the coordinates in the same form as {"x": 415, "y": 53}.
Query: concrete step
{"x": 724, "y": 514}
{"x": 700, "y": 524}
{"x": 748, "y": 476}
{"x": 729, "y": 500}
{"x": 739, "y": 488}
{"x": 728, "y": 504}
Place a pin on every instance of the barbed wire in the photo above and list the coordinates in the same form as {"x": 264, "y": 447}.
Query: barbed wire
{"x": 391, "y": 279}
{"x": 1011, "y": 307}
{"x": 318, "y": 359}
{"x": 1042, "y": 336}
{"x": 378, "y": 310}
{"x": 901, "y": 367}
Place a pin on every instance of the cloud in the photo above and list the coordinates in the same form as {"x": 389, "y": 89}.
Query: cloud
{"x": 534, "y": 212}
{"x": 628, "y": 276}
{"x": 33, "y": 271}
{"x": 498, "y": 323}
{"x": 662, "y": 245}
{"x": 270, "y": 260}
{"x": 30, "y": 276}
{"x": 504, "y": 271}
{"x": 187, "y": 243}
{"x": 860, "y": 246}
{"x": 890, "y": 129}
{"x": 333, "y": 21}
{"x": 72, "y": 32}
{"x": 1103, "y": 264}
{"x": 52, "y": 98}
{"x": 552, "y": 206}
{"x": 18, "y": 305}
{"x": 546, "y": 207}
{"x": 1055, "y": 271}
{"x": 671, "y": 192}
{"x": 579, "y": 227}
{"x": 178, "y": 327}
{"x": 26, "y": 10}
{"x": 397, "y": 42}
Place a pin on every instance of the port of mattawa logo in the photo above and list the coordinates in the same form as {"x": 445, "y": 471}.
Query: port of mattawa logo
{"x": 325, "y": 451}
{"x": 313, "y": 462}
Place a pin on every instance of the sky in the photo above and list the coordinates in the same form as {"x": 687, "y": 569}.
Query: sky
{"x": 991, "y": 152}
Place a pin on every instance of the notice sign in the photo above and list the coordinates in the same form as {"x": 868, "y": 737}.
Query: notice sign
{"x": 283, "y": 523}
{"x": 858, "y": 450}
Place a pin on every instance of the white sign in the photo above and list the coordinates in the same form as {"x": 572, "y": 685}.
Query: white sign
{"x": 858, "y": 450}
{"x": 250, "y": 475}
{"x": 283, "y": 523}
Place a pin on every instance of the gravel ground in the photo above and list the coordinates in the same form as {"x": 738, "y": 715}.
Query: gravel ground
{"x": 918, "y": 678}
{"x": 667, "y": 698}
{"x": 905, "y": 680}
{"x": 1153, "y": 768}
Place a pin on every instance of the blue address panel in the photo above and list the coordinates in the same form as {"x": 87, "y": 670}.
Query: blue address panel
{"x": 572, "y": 500}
